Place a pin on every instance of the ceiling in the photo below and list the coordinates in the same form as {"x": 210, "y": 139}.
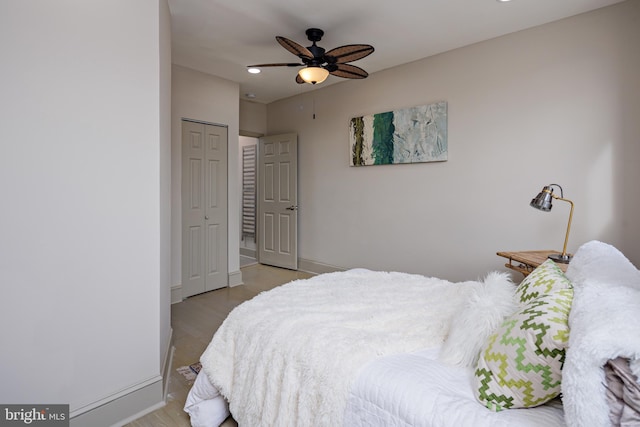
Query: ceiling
{"x": 222, "y": 37}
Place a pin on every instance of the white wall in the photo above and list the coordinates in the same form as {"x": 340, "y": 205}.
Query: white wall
{"x": 554, "y": 104}
{"x": 203, "y": 97}
{"x": 81, "y": 172}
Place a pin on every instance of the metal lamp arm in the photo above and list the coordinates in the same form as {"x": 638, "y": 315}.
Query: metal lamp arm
{"x": 566, "y": 239}
{"x": 561, "y": 192}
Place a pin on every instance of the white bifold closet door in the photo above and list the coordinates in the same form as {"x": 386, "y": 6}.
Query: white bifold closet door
{"x": 204, "y": 208}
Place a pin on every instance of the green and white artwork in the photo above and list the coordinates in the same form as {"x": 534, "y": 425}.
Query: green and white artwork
{"x": 410, "y": 135}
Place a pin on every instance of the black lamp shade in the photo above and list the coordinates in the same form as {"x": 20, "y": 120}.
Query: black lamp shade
{"x": 543, "y": 200}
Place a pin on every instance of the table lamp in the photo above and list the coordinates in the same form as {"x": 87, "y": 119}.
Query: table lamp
{"x": 543, "y": 202}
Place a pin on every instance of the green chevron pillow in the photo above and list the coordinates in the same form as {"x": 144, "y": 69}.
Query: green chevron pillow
{"x": 544, "y": 279}
{"x": 520, "y": 366}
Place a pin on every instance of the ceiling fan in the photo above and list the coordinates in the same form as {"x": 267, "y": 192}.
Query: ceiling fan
{"x": 318, "y": 63}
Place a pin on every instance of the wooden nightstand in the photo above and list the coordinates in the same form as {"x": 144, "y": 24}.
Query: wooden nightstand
{"x": 527, "y": 261}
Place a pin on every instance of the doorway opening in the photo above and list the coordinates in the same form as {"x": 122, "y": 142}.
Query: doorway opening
{"x": 269, "y": 210}
{"x": 248, "y": 214}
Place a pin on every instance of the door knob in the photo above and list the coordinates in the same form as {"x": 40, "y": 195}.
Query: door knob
{"x": 292, "y": 208}
{"x": 206, "y": 218}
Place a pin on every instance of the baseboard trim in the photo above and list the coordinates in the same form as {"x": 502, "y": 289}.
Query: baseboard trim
{"x": 138, "y": 415}
{"x": 176, "y": 294}
{"x": 315, "y": 267}
{"x": 235, "y": 278}
{"x": 166, "y": 368}
{"x": 128, "y": 404}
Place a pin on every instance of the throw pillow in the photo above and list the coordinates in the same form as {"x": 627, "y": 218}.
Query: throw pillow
{"x": 488, "y": 304}
{"x": 546, "y": 278}
{"x": 521, "y": 363}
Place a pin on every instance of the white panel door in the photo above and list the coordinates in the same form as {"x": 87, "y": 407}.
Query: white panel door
{"x": 204, "y": 208}
{"x": 278, "y": 201}
{"x": 215, "y": 175}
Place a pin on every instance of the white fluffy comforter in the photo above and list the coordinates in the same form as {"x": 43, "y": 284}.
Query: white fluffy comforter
{"x": 259, "y": 363}
{"x": 605, "y": 324}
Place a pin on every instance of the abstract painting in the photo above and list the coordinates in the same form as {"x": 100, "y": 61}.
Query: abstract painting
{"x": 411, "y": 135}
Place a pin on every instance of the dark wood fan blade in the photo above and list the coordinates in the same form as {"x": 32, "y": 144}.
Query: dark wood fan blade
{"x": 282, "y": 64}
{"x": 349, "y": 71}
{"x": 295, "y": 48}
{"x": 348, "y": 53}
{"x": 299, "y": 79}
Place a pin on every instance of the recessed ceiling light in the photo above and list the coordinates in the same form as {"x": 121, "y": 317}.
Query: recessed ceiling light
{"x": 503, "y": 1}
{"x": 253, "y": 70}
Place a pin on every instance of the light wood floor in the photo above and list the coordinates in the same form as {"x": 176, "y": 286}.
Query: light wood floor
{"x": 194, "y": 322}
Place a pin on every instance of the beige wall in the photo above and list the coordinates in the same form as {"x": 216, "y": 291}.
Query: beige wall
{"x": 206, "y": 98}
{"x": 554, "y": 104}
{"x": 253, "y": 118}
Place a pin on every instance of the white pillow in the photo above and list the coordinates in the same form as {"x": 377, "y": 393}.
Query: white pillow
{"x": 489, "y": 303}
{"x": 205, "y": 405}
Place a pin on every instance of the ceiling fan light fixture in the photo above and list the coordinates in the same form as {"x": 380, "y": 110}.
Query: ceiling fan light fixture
{"x": 254, "y": 70}
{"x": 319, "y": 63}
{"x": 313, "y": 75}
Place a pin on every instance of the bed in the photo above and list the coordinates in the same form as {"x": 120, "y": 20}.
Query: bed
{"x": 370, "y": 348}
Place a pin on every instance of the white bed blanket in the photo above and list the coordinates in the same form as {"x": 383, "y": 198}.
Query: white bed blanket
{"x": 416, "y": 390}
{"x": 259, "y": 357}
{"x": 605, "y": 324}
